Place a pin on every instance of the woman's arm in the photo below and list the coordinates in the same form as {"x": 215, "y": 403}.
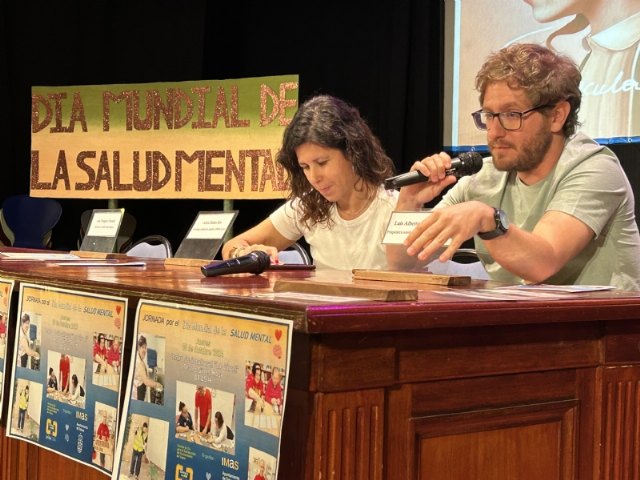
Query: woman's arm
{"x": 24, "y": 343}
{"x": 263, "y": 236}
{"x": 142, "y": 376}
{"x": 222, "y": 434}
{"x": 182, "y": 428}
{"x": 150, "y": 383}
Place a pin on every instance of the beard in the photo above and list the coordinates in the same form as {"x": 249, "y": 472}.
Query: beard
{"x": 528, "y": 156}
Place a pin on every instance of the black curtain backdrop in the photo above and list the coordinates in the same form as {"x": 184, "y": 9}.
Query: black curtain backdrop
{"x": 383, "y": 57}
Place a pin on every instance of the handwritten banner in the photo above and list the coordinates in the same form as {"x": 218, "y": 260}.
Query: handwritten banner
{"x": 66, "y": 377}
{"x": 205, "y": 396}
{"x": 215, "y": 139}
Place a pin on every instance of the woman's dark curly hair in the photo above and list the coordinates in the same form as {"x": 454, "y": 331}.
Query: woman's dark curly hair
{"x": 332, "y": 123}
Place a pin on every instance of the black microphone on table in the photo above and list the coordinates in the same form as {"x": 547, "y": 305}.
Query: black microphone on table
{"x": 254, "y": 262}
{"x": 467, "y": 163}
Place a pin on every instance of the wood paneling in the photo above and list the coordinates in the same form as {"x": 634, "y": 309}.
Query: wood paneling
{"x": 501, "y": 454}
{"x": 349, "y": 431}
{"x": 621, "y": 426}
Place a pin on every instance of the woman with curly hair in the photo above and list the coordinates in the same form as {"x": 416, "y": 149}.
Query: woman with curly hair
{"x": 335, "y": 166}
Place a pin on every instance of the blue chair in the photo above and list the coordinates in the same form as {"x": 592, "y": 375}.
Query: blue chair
{"x": 30, "y": 220}
{"x": 465, "y": 261}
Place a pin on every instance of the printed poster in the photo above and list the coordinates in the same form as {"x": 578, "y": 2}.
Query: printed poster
{"x": 66, "y": 375}
{"x": 6, "y": 288}
{"x": 205, "y": 396}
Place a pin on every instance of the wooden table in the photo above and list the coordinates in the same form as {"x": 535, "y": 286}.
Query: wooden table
{"x": 437, "y": 388}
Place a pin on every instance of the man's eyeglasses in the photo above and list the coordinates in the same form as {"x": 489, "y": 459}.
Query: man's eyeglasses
{"x": 508, "y": 120}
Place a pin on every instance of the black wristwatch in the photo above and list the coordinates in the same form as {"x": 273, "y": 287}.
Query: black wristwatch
{"x": 502, "y": 225}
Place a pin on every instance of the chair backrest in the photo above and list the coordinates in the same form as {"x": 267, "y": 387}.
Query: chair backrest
{"x": 31, "y": 220}
{"x": 295, "y": 254}
{"x": 127, "y": 227}
{"x": 464, "y": 262}
{"x": 151, "y": 246}
{"x": 6, "y": 235}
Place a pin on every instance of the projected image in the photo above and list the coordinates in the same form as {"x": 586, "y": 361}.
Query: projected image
{"x": 605, "y": 47}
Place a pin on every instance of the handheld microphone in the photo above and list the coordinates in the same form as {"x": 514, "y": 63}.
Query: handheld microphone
{"x": 467, "y": 163}
{"x": 254, "y": 262}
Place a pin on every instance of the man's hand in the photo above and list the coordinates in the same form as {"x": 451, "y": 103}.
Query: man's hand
{"x": 413, "y": 197}
{"x": 454, "y": 224}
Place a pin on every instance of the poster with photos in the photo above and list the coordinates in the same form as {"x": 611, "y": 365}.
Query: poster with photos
{"x": 205, "y": 396}
{"x": 65, "y": 383}
{"x": 6, "y": 288}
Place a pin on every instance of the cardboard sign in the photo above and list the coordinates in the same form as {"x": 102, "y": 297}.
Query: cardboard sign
{"x": 210, "y": 139}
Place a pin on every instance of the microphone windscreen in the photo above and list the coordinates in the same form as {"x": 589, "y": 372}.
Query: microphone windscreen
{"x": 255, "y": 262}
{"x": 470, "y": 163}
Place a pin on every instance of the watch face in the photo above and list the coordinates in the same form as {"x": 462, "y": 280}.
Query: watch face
{"x": 502, "y": 225}
{"x": 502, "y": 222}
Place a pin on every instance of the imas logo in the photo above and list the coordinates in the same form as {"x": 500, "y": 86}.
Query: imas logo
{"x": 183, "y": 473}
{"x": 51, "y": 428}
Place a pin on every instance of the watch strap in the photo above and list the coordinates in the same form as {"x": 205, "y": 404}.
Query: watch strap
{"x": 501, "y": 228}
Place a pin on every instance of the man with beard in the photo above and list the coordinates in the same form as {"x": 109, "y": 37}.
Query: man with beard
{"x": 550, "y": 205}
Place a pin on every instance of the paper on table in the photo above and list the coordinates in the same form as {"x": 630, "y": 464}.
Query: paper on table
{"x": 104, "y": 263}
{"x": 525, "y": 292}
{"x": 560, "y": 288}
{"x": 310, "y": 297}
{"x": 482, "y": 294}
{"x": 37, "y": 256}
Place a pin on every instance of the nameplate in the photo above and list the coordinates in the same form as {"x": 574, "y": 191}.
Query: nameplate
{"x": 401, "y": 224}
{"x": 103, "y": 229}
{"x": 205, "y": 237}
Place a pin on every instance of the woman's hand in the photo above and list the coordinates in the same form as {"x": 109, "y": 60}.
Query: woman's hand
{"x": 245, "y": 250}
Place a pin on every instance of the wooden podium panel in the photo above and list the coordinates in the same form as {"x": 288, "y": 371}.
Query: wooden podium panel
{"x": 23, "y": 461}
{"x": 499, "y": 440}
{"x": 499, "y": 452}
{"x": 349, "y": 434}
{"x": 621, "y": 422}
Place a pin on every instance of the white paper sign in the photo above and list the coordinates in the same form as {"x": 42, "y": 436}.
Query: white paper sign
{"x": 105, "y": 223}
{"x": 210, "y": 225}
{"x": 401, "y": 224}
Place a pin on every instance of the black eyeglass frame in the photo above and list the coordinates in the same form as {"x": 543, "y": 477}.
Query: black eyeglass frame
{"x": 480, "y": 125}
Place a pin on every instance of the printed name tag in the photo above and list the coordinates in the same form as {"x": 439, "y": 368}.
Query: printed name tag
{"x": 401, "y": 224}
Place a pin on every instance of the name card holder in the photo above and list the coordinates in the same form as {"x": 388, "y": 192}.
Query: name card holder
{"x": 205, "y": 237}
{"x": 401, "y": 224}
{"x": 102, "y": 232}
